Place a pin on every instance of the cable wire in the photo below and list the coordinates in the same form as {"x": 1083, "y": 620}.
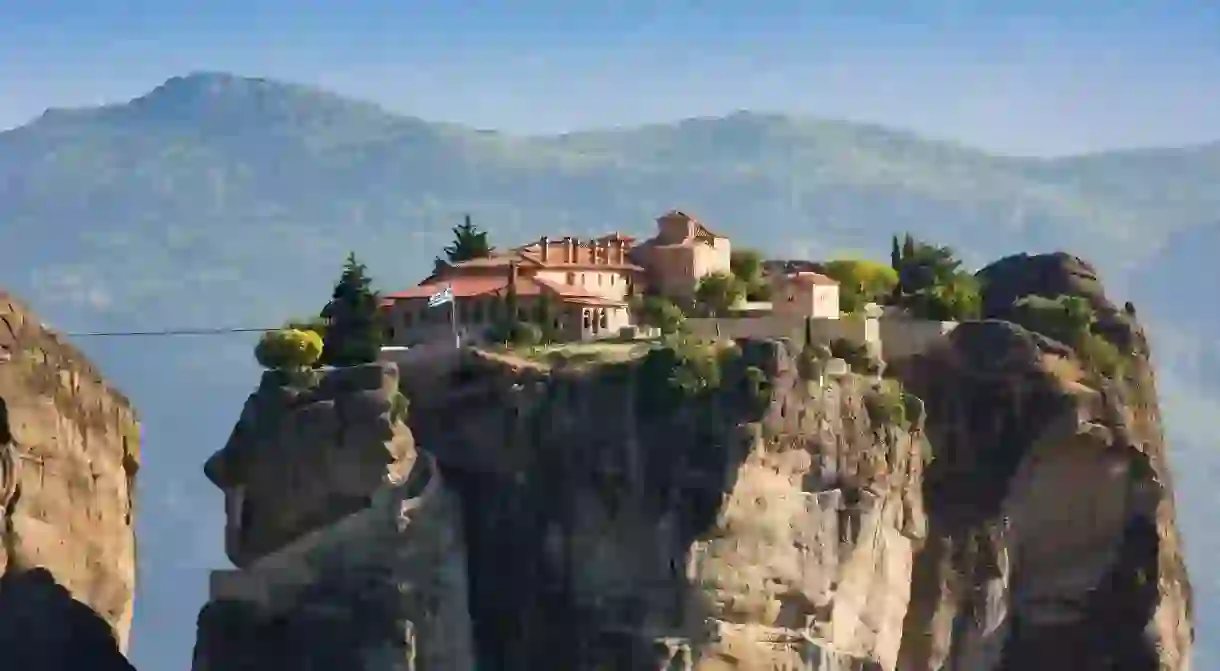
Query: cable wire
{"x": 166, "y": 332}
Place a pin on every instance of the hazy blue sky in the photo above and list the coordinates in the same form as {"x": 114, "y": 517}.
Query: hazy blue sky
{"x": 1028, "y": 77}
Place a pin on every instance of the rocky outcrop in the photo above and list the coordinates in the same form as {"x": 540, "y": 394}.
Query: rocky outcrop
{"x": 992, "y": 505}
{"x": 345, "y": 561}
{"x": 69, "y": 452}
{"x": 1051, "y": 536}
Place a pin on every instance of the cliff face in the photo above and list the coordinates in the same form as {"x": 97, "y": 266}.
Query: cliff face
{"x": 349, "y": 543}
{"x": 69, "y": 452}
{"x": 1009, "y": 510}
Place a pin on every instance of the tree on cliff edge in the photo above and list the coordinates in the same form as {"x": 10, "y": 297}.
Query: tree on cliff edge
{"x": 469, "y": 242}
{"x": 353, "y": 332}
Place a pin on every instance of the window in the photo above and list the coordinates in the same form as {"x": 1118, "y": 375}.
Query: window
{"x": 582, "y": 279}
{"x": 587, "y": 321}
{"x": 599, "y": 279}
{"x": 605, "y": 320}
{"x": 572, "y": 278}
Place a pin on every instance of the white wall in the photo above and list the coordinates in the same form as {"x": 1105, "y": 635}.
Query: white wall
{"x": 826, "y": 301}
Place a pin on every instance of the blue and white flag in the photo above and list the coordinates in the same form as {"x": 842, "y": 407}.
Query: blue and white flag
{"x": 441, "y": 297}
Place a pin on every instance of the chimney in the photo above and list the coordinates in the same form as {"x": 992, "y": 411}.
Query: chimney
{"x": 574, "y": 255}
{"x": 512, "y": 273}
{"x": 544, "y": 243}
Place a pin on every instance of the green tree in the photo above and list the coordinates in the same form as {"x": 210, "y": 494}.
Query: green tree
{"x": 288, "y": 349}
{"x": 546, "y": 315}
{"x": 1068, "y": 319}
{"x": 861, "y": 281}
{"x": 660, "y": 313}
{"x": 469, "y": 242}
{"x": 933, "y": 285}
{"x": 747, "y": 266}
{"x": 716, "y": 293}
{"x": 353, "y": 324}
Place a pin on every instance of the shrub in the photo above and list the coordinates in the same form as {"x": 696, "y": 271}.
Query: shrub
{"x": 861, "y": 281}
{"x": 517, "y": 334}
{"x": 855, "y": 354}
{"x": 1070, "y": 320}
{"x": 525, "y": 334}
{"x": 758, "y": 387}
{"x": 1067, "y": 319}
{"x": 399, "y": 406}
{"x": 679, "y": 370}
{"x": 315, "y": 324}
{"x": 659, "y": 313}
{"x": 1101, "y": 356}
{"x": 886, "y": 404}
{"x": 698, "y": 370}
{"x": 288, "y": 349}
{"x": 718, "y": 292}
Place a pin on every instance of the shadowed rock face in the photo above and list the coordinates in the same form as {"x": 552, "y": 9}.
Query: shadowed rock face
{"x": 1052, "y": 541}
{"x": 1016, "y": 513}
{"x": 68, "y": 460}
{"x": 308, "y": 450}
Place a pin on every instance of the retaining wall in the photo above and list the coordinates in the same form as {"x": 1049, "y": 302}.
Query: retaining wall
{"x": 891, "y": 337}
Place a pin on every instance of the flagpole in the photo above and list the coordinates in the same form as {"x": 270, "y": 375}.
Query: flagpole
{"x": 453, "y": 318}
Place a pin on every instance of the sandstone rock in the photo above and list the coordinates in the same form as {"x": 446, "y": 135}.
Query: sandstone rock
{"x": 1050, "y": 510}
{"x": 69, "y": 452}
{"x": 1051, "y": 276}
{"x": 308, "y": 451}
{"x": 597, "y": 518}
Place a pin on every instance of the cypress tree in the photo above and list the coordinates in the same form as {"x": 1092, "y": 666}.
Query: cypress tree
{"x": 353, "y": 325}
{"x": 908, "y": 248}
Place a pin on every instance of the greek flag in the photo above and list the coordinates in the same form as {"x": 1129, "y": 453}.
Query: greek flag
{"x": 441, "y": 297}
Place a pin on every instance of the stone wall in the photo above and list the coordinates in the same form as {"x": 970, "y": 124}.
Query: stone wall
{"x": 903, "y": 337}
{"x": 891, "y": 337}
{"x": 779, "y": 326}
{"x": 69, "y": 453}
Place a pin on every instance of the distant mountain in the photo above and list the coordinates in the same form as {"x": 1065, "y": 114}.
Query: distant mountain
{"x": 215, "y": 184}
{"x": 218, "y": 200}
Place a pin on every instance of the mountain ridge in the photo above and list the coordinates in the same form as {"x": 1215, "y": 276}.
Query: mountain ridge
{"x": 196, "y": 82}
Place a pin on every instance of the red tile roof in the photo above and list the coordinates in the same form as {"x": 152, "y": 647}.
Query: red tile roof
{"x": 471, "y": 287}
{"x": 463, "y": 287}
